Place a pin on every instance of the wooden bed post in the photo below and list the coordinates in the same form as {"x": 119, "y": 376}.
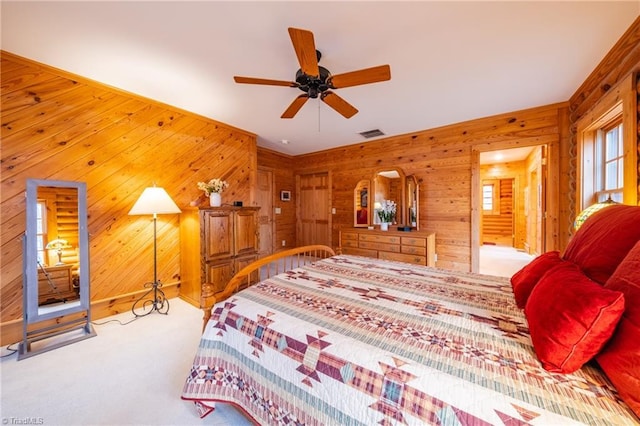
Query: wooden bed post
{"x": 207, "y": 300}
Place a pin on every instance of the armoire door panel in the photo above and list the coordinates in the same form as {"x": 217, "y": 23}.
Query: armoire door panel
{"x": 218, "y": 235}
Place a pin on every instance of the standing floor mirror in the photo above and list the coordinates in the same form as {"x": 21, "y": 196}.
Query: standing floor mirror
{"x": 56, "y": 310}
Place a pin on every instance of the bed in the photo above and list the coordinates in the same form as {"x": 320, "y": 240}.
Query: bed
{"x": 349, "y": 340}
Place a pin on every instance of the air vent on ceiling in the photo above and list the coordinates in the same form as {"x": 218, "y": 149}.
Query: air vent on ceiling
{"x": 372, "y": 133}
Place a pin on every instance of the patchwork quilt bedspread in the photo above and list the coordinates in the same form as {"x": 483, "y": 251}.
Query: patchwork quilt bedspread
{"x": 350, "y": 340}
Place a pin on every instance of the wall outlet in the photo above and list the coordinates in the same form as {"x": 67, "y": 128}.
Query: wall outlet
{"x": 278, "y": 210}
{"x": 284, "y": 243}
{"x": 435, "y": 257}
{"x": 333, "y": 210}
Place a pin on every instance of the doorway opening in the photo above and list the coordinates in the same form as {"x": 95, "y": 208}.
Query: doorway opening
{"x": 511, "y": 208}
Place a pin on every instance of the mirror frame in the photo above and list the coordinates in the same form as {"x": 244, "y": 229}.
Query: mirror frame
{"x": 400, "y": 210}
{"x": 32, "y": 312}
{"x": 411, "y": 180}
{"x": 357, "y": 200}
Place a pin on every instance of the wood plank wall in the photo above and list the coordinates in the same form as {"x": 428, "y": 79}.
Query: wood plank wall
{"x": 56, "y": 125}
{"x": 441, "y": 159}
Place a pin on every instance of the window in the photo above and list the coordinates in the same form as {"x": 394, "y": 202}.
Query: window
{"x": 609, "y": 162}
{"x": 491, "y": 196}
{"x": 606, "y": 148}
{"x": 41, "y": 231}
{"x": 487, "y": 198}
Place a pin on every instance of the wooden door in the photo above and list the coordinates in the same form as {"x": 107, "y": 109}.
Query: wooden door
{"x": 314, "y": 211}
{"x": 265, "y": 216}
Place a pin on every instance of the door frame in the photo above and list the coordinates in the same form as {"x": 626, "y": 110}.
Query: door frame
{"x": 551, "y": 200}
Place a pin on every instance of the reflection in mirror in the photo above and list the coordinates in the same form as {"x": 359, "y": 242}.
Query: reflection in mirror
{"x": 55, "y": 265}
{"x": 389, "y": 185}
{"x": 412, "y": 201}
{"x": 361, "y": 204}
{"x": 57, "y": 242}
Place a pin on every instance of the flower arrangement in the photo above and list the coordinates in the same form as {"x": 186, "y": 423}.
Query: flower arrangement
{"x": 387, "y": 211}
{"x": 213, "y": 186}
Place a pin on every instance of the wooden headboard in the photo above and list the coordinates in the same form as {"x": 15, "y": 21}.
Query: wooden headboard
{"x": 262, "y": 269}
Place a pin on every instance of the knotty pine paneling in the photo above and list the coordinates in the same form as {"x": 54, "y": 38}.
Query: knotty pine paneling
{"x": 441, "y": 160}
{"x": 56, "y": 125}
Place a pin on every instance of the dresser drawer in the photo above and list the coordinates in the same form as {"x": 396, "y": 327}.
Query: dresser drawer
{"x": 380, "y": 246}
{"x": 387, "y": 239}
{"x": 413, "y": 241}
{"x": 408, "y": 258}
{"x": 359, "y": 252}
{"x": 349, "y": 243}
{"x": 422, "y": 251}
{"x": 349, "y": 236}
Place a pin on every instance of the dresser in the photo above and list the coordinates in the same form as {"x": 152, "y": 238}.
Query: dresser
{"x": 215, "y": 243}
{"x": 58, "y": 286}
{"x": 411, "y": 247}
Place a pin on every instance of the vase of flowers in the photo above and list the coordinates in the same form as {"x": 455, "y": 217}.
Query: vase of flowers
{"x": 213, "y": 189}
{"x": 386, "y": 213}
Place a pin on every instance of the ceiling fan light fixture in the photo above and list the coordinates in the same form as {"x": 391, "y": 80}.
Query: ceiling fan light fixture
{"x": 316, "y": 81}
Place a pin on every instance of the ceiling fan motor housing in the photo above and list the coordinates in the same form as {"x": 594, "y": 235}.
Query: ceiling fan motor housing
{"x": 313, "y": 86}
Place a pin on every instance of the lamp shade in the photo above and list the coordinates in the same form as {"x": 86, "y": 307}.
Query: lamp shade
{"x": 57, "y": 244}
{"x": 154, "y": 200}
{"x": 584, "y": 214}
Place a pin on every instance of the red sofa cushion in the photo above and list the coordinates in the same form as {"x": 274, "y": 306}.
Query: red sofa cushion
{"x": 604, "y": 240}
{"x": 620, "y": 358}
{"x": 570, "y": 318}
{"x": 526, "y": 278}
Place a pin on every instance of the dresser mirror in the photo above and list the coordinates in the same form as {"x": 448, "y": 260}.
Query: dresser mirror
{"x": 412, "y": 201}
{"x": 55, "y": 260}
{"x": 389, "y": 184}
{"x": 361, "y": 218}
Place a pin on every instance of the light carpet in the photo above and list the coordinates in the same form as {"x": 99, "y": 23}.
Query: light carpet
{"x": 501, "y": 260}
{"x": 127, "y": 375}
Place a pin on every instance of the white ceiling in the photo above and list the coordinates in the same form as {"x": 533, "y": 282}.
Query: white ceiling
{"x": 450, "y": 61}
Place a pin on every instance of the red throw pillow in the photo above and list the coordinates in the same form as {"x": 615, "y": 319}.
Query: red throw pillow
{"x": 604, "y": 240}
{"x": 526, "y": 278}
{"x": 620, "y": 358}
{"x": 570, "y": 318}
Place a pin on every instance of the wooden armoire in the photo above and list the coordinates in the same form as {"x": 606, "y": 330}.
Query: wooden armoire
{"x": 215, "y": 243}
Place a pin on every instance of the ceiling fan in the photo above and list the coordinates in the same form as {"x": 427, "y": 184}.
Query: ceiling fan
{"x": 315, "y": 80}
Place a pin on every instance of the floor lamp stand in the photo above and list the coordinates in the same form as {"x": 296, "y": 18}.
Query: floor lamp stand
{"x": 158, "y": 301}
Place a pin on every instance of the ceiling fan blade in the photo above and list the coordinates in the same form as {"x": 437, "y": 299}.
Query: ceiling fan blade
{"x": 305, "y": 49}
{"x": 365, "y": 76}
{"x": 295, "y": 106}
{"x": 251, "y": 80}
{"x": 339, "y": 104}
